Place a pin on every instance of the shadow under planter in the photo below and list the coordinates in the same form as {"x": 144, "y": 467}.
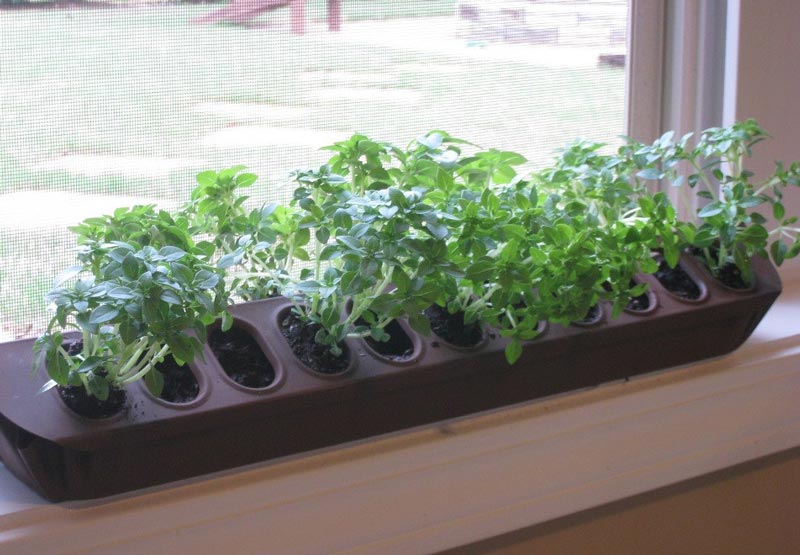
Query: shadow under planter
{"x": 229, "y": 424}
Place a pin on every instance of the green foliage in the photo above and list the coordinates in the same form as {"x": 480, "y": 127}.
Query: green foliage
{"x": 382, "y": 232}
{"x": 144, "y": 290}
{"x": 728, "y": 228}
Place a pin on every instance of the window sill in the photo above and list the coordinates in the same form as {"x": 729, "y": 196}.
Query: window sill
{"x": 459, "y": 481}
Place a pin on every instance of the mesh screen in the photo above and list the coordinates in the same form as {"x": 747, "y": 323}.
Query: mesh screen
{"x": 110, "y": 103}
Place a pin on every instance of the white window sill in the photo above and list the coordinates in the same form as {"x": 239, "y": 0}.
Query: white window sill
{"x": 460, "y": 481}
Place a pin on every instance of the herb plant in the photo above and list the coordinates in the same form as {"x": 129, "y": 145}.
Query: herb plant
{"x": 138, "y": 298}
{"x": 382, "y": 232}
{"x": 372, "y": 250}
{"x": 728, "y": 230}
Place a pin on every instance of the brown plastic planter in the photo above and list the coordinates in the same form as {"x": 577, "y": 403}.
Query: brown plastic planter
{"x": 64, "y": 456}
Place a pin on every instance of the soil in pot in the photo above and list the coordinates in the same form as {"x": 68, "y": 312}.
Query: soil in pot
{"x": 640, "y": 303}
{"x": 451, "y": 327}
{"x": 300, "y": 336}
{"x": 399, "y": 348}
{"x": 729, "y": 274}
{"x": 89, "y": 406}
{"x": 180, "y": 383}
{"x": 241, "y": 357}
{"x": 677, "y": 281}
{"x": 592, "y": 316}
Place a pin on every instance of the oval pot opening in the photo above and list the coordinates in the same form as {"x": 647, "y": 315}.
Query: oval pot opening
{"x": 78, "y": 401}
{"x": 181, "y": 385}
{"x": 452, "y": 330}
{"x": 680, "y": 283}
{"x": 241, "y": 358}
{"x": 320, "y": 359}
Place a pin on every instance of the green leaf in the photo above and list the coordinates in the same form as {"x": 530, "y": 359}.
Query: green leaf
{"x": 397, "y": 197}
{"x": 206, "y": 279}
{"x": 342, "y": 219}
{"x": 90, "y": 364}
{"x": 98, "y": 386}
{"x": 711, "y": 209}
{"x": 171, "y": 254}
{"x": 778, "y": 250}
{"x": 481, "y": 270}
{"x": 350, "y": 242}
{"x": 649, "y": 173}
{"x": 121, "y": 292}
{"x": 183, "y": 347}
{"x": 648, "y": 266}
{"x": 437, "y": 230}
{"x": 515, "y": 231}
{"x": 431, "y": 141}
{"x": 538, "y": 256}
{"x": 128, "y": 331}
{"x": 322, "y": 234}
{"x": 419, "y": 323}
{"x": 207, "y": 178}
{"x": 154, "y": 380}
{"x": 66, "y": 275}
{"x": 169, "y": 296}
{"x": 130, "y": 266}
{"x": 778, "y": 211}
{"x": 671, "y": 255}
{"x": 103, "y": 313}
{"x": 401, "y": 280}
{"x": 229, "y": 260}
{"x": 227, "y": 321}
{"x": 513, "y": 350}
{"x": 58, "y": 370}
{"x": 329, "y": 316}
{"x": 246, "y": 179}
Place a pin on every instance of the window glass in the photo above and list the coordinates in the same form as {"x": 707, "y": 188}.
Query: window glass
{"x": 115, "y": 102}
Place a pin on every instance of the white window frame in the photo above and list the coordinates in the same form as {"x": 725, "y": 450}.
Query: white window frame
{"x": 683, "y": 75}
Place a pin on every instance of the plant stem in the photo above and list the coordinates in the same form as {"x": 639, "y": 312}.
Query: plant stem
{"x": 360, "y": 306}
{"x": 709, "y": 187}
{"x": 138, "y": 349}
{"x": 152, "y": 361}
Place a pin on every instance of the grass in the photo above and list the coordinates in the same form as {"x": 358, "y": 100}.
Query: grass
{"x": 129, "y": 81}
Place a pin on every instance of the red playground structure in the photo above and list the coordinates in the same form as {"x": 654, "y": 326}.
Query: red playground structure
{"x": 242, "y": 11}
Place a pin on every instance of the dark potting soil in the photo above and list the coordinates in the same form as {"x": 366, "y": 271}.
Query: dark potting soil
{"x": 451, "y": 327}
{"x": 635, "y": 304}
{"x": 77, "y": 399}
{"x": 89, "y": 406}
{"x": 728, "y": 275}
{"x": 592, "y": 316}
{"x": 241, "y": 358}
{"x": 638, "y": 304}
{"x": 300, "y": 336}
{"x": 398, "y": 348}
{"x": 677, "y": 281}
{"x": 731, "y": 276}
{"x": 180, "y": 383}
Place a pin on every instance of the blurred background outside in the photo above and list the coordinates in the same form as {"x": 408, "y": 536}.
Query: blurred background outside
{"x": 111, "y": 103}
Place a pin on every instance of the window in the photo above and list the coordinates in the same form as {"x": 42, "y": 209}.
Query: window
{"x": 113, "y": 103}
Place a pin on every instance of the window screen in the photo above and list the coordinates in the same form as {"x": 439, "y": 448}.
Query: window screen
{"x": 118, "y": 102}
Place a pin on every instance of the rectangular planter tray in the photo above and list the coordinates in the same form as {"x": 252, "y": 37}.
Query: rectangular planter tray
{"x": 64, "y": 456}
